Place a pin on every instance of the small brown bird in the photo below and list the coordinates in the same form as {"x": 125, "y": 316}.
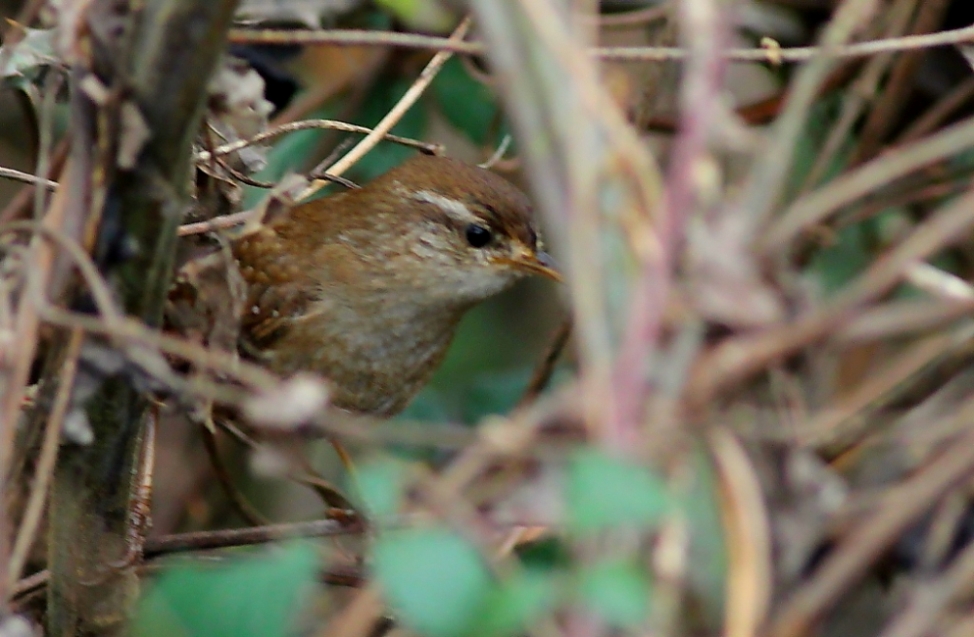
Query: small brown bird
{"x": 366, "y": 287}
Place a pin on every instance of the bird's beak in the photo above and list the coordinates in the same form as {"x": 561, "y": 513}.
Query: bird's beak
{"x": 539, "y": 263}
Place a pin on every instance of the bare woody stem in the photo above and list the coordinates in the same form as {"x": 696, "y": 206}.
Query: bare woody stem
{"x": 163, "y": 58}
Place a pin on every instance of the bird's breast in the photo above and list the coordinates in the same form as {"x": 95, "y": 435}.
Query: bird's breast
{"x": 376, "y": 357}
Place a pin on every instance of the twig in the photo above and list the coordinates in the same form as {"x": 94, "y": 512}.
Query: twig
{"x": 345, "y": 524}
{"x": 931, "y": 598}
{"x": 241, "y": 177}
{"x": 17, "y": 206}
{"x": 89, "y": 271}
{"x": 13, "y": 379}
{"x": 899, "y": 508}
{"x": 953, "y": 100}
{"x": 306, "y": 124}
{"x": 498, "y": 154}
{"x": 619, "y": 53}
{"x": 765, "y": 183}
{"x": 353, "y": 37}
{"x": 635, "y": 18}
{"x": 739, "y": 357}
{"x": 898, "y": 318}
{"x": 803, "y": 53}
{"x": 29, "y": 584}
{"x": 348, "y": 184}
{"x": 747, "y": 536}
{"x": 133, "y": 332}
{"x": 899, "y": 86}
{"x": 939, "y": 283}
{"x": 216, "y": 223}
{"x": 51, "y": 87}
{"x": 549, "y": 99}
{"x": 705, "y": 25}
{"x": 237, "y": 499}
{"x": 817, "y": 205}
{"x": 27, "y": 178}
{"x": 929, "y": 191}
{"x": 224, "y": 222}
{"x": 861, "y": 93}
{"x": 842, "y": 423}
{"x": 26, "y": 534}
{"x": 394, "y": 115}
{"x": 162, "y": 546}
{"x": 546, "y": 366}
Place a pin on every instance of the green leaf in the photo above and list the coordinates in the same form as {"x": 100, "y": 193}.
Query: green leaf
{"x": 604, "y": 492}
{"x": 822, "y": 119}
{"x": 380, "y": 483}
{"x": 518, "y": 602}
{"x": 494, "y": 393}
{"x": 436, "y": 581}
{"x": 545, "y": 554}
{"x": 839, "y": 263}
{"x": 618, "y": 592}
{"x": 250, "y": 595}
{"x": 430, "y": 405}
{"x": 466, "y": 103}
{"x": 425, "y": 15}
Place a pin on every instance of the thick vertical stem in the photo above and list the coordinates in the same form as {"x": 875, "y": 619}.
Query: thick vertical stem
{"x": 173, "y": 48}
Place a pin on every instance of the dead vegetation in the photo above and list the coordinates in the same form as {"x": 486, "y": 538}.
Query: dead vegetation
{"x": 761, "y": 426}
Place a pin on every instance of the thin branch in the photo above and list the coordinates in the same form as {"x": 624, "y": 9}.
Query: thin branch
{"x": 410, "y": 97}
{"x": 638, "y": 17}
{"x": 899, "y": 85}
{"x": 129, "y": 332}
{"x": 948, "y": 104}
{"x": 354, "y": 37}
{"x": 26, "y": 534}
{"x": 216, "y": 223}
{"x": 705, "y": 26}
{"x": 618, "y": 53}
{"x": 157, "y": 547}
{"x": 343, "y": 524}
{"x": 739, "y": 357}
{"x": 17, "y": 206}
{"x": 20, "y": 353}
{"x": 329, "y": 124}
{"x": 27, "y": 178}
{"x": 900, "y": 507}
{"x": 240, "y": 503}
{"x": 861, "y": 94}
{"x": 546, "y": 366}
{"x": 929, "y": 599}
{"x": 81, "y": 259}
{"x": 765, "y": 183}
{"x": 816, "y": 206}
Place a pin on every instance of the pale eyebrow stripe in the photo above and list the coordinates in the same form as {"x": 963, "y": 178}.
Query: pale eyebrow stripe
{"x": 457, "y": 210}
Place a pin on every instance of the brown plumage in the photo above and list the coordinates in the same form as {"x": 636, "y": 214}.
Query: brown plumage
{"x": 366, "y": 287}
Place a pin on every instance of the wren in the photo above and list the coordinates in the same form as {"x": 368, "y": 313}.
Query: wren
{"x": 366, "y": 287}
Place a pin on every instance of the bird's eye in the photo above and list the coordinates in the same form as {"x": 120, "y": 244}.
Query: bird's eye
{"x": 478, "y": 236}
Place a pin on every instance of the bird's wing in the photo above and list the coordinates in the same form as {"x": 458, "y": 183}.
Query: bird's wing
{"x": 278, "y": 291}
{"x": 271, "y": 309}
